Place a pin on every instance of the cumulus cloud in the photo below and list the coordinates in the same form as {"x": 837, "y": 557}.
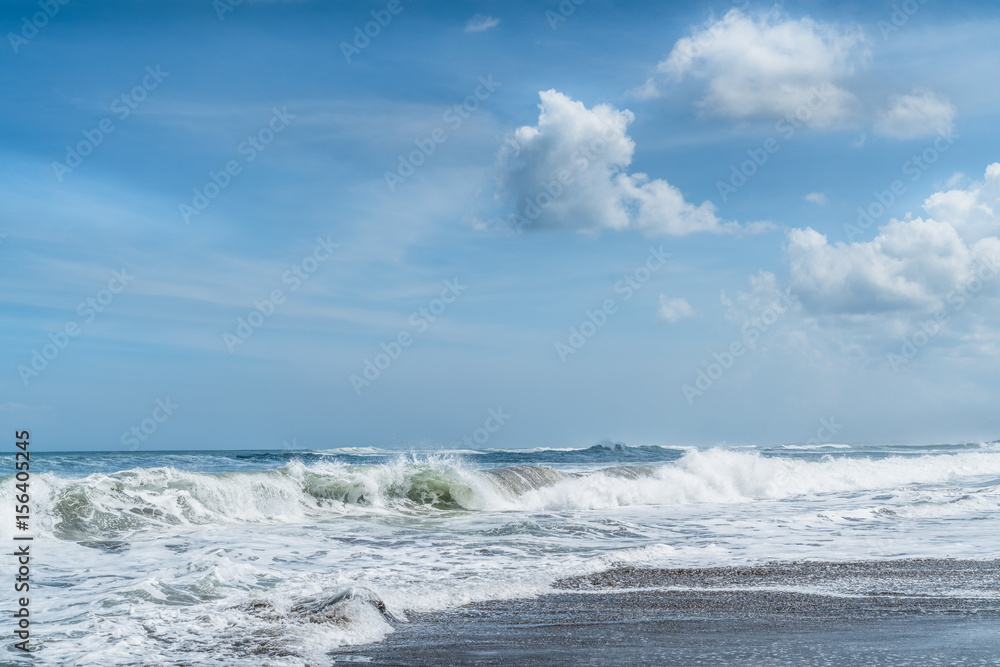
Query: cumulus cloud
{"x": 569, "y": 172}
{"x": 817, "y": 198}
{"x": 767, "y": 65}
{"x": 974, "y": 212}
{"x": 908, "y": 266}
{"x": 480, "y": 23}
{"x": 913, "y": 265}
{"x": 919, "y": 114}
{"x": 675, "y": 309}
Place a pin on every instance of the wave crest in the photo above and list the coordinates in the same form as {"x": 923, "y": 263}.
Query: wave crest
{"x": 111, "y": 506}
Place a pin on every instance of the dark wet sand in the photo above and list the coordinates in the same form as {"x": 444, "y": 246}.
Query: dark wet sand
{"x": 915, "y": 612}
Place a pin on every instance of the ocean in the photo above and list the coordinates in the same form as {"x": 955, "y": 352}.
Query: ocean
{"x": 287, "y": 558}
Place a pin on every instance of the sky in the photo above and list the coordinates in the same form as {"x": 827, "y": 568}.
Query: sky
{"x": 308, "y": 225}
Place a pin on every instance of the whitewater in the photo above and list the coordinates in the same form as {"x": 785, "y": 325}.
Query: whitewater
{"x": 280, "y": 558}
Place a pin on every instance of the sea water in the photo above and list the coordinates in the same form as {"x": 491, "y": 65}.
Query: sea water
{"x": 279, "y": 558}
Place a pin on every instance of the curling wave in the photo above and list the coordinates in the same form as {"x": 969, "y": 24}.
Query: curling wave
{"x": 110, "y": 505}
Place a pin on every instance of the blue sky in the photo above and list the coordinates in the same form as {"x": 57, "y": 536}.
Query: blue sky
{"x": 644, "y": 109}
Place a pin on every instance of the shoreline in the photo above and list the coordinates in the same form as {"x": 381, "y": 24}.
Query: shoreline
{"x": 721, "y": 616}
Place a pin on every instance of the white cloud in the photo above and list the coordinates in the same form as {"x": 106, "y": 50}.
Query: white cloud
{"x": 675, "y": 309}
{"x": 974, "y": 212}
{"x": 657, "y": 208}
{"x": 817, "y": 198}
{"x": 480, "y": 23}
{"x": 764, "y": 293}
{"x": 906, "y": 267}
{"x": 569, "y": 172}
{"x": 912, "y": 265}
{"x": 919, "y": 114}
{"x": 767, "y": 65}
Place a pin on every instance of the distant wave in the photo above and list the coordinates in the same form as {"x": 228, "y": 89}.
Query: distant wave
{"x": 143, "y": 498}
{"x": 601, "y": 450}
{"x": 821, "y": 446}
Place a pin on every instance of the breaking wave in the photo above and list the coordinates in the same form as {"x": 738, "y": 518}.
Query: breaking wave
{"x": 110, "y": 505}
